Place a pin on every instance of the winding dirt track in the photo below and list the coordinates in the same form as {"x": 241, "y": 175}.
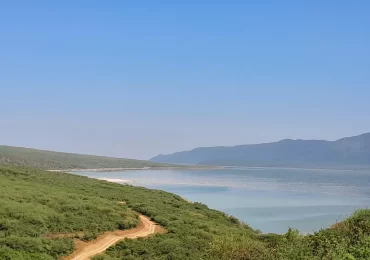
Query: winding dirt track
{"x": 85, "y": 250}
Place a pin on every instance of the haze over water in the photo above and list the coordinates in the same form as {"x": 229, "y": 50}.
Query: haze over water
{"x": 269, "y": 199}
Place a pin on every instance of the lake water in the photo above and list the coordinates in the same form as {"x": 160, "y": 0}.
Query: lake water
{"x": 269, "y": 199}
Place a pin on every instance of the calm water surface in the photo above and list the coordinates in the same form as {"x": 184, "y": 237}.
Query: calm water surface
{"x": 268, "y": 199}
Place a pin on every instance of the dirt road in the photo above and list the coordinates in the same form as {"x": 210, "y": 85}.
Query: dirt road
{"x": 85, "y": 250}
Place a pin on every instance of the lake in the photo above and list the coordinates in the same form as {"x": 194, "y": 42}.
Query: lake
{"x": 269, "y": 199}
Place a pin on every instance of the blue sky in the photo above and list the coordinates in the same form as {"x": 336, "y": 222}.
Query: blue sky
{"x": 134, "y": 79}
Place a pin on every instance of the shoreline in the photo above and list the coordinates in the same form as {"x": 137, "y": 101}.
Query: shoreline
{"x": 130, "y": 181}
{"x": 203, "y": 167}
{"x": 296, "y": 168}
{"x": 195, "y": 167}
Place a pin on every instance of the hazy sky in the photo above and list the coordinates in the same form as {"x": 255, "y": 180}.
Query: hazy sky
{"x": 138, "y": 78}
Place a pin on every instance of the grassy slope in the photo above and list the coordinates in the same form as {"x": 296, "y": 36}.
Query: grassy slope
{"x": 56, "y": 160}
{"x": 35, "y": 203}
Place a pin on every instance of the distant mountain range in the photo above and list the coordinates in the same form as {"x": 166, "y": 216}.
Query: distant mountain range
{"x": 349, "y": 152}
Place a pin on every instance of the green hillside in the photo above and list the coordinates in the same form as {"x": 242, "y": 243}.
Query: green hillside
{"x": 49, "y": 160}
{"x": 35, "y": 204}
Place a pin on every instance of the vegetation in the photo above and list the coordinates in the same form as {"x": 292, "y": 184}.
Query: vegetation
{"x": 348, "y": 240}
{"x": 49, "y": 160}
{"x": 35, "y": 204}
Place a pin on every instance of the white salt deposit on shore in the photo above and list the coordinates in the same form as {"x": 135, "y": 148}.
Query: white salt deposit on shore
{"x": 117, "y": 180}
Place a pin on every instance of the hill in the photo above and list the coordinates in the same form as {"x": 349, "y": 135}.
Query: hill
{"x": 35, "y": 204}
{"x": 344, "y": 153}
{"x": 50, "y": 160}
{"x": 38, "y": 207}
